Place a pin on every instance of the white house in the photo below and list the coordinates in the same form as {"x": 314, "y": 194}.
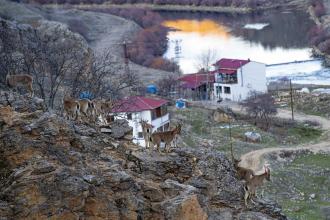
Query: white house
{"x": 137, "y": 108}
{"x": 234, "y": 79}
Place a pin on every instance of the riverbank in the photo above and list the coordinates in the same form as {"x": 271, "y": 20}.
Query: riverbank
{"x": 186, "y": 8}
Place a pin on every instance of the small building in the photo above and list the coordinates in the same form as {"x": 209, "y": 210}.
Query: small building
{"x": 137, "y": 108}
{"x": 235, "y": 79}
{"x": 197, "y": 86}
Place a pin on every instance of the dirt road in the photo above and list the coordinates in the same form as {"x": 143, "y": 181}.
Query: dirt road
{"x": 256, "y": 159}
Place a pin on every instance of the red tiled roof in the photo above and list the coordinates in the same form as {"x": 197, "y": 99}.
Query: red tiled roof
{"x": 195, "y": 80}
{"x": 137, "y": 104}
{"x": 230, "y": 63}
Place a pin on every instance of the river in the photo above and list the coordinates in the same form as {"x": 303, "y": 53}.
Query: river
{"x": 269, "y": 37}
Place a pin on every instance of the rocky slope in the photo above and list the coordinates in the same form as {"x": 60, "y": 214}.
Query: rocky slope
{"x": 103, "y": 31}
{"x": 53, "y": 168}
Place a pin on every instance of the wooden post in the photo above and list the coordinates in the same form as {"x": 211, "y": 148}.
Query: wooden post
{"x": 230, "y": 139}
{"x": 291, "y": 96}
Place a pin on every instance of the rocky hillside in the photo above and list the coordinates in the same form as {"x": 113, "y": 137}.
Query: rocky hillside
{"x": 53, "y": 168}
{"x": 104, "y": 32}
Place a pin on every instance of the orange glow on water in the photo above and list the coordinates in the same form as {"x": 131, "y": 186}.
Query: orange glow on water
{"x": 203, "y": 27}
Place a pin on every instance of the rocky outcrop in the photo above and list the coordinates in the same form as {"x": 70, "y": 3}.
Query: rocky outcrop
{"x": 53, "y": 168}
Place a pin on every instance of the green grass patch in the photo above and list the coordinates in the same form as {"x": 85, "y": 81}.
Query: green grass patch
{"x": 304, "y": 133}
{"x": 200, "y": 130}
{"x": 294, "y": 184}
{"x": 317, "y": 160}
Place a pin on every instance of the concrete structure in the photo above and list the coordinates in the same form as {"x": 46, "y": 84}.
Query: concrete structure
{"x": 137, "y": 108}
{"x": 235, "y": 79}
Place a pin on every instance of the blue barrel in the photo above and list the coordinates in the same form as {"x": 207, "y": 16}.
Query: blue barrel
{"x": 86, "y": 95}
{"x": 151, "y": 89}
{"x": 180, "y": 103}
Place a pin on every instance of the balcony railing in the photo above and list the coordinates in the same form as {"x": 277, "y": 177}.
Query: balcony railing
{"x": 226, "y": 78}
{"x": 158, "y": 121}
{"x": 226, "y": 81}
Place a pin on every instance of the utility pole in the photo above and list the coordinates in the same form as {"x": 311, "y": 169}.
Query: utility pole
{"x": 291, "y": 96}
{"x": 126, "y": 68}
{"x": 125, "y": 52}
{"x": 230, "y": 140}
{"x": 177, "y": 49}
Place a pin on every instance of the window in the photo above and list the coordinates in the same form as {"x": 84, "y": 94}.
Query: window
{"x": 158, "y": 112}
{"x": 160, "y": 129}
{"x": 140, "y": 135}
{"x": 129, "y": 116}
{"x": 164, "y": 110}
{"x": 227, "y": 90}
{"x": 219, "y": 89}
{"x": 110, "y": 118}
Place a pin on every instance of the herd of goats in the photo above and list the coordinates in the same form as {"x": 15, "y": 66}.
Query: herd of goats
{"x": 74, "y": 109}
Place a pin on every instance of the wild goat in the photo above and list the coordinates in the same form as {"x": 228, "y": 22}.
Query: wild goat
{"x": 243, "y": 173}
{"x": 166, "y": 136}
{"x": 71, "y": 108}
{"x": 175, "y": 140}
{"x": 252, "y": 184}
{"x": 101, "y": 108}
{"x": 87, "y": 108}
{"x": 23, "y": 80}
{"x": 146, "y": 132}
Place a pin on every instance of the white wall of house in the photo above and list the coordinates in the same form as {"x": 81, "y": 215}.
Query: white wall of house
{"x": 250, "y": 77}
{"x": 134, "y": 122}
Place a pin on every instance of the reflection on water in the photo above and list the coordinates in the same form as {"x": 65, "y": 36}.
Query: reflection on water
{"x": 203, "y": 28}
{"x": 283, "y": 40}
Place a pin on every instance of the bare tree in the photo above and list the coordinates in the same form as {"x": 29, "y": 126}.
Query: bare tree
{"x": 261, "y": 107}
{"x": 100, "y": 77}
{"x": 203, "y": 64}
{"x": 10, "y": 61}
{"x": 52, "y": 54}
{"x": 60, "y": 62}
{"x": 167, "y": 85}
{"x": 205, "y": 60}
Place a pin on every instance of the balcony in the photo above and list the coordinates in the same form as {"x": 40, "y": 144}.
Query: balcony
{"x": 226, "y": 78}
{"x": 227, "y": 81}
{"x": 161, "y": 120}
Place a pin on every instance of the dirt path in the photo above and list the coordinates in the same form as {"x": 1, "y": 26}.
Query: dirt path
{"x": 255, "y": 159}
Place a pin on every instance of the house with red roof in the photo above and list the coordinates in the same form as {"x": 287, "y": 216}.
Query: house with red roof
{"x": 234, "y": 79}
{"x": 137, "y": 108}
{"x": 198, "y": 86}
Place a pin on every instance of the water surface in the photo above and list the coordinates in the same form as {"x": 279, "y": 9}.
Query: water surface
{"x": 272, "y": 37}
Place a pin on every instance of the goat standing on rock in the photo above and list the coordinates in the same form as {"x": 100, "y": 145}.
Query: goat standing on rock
{"x": 254, "y": 182}
{"x": 71, "y": 108}
{"x": 166, "y": 137}
{"x": 146, "y": 132}
{"x": 23, "y": 80}
{"x": 243, "y": 173}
